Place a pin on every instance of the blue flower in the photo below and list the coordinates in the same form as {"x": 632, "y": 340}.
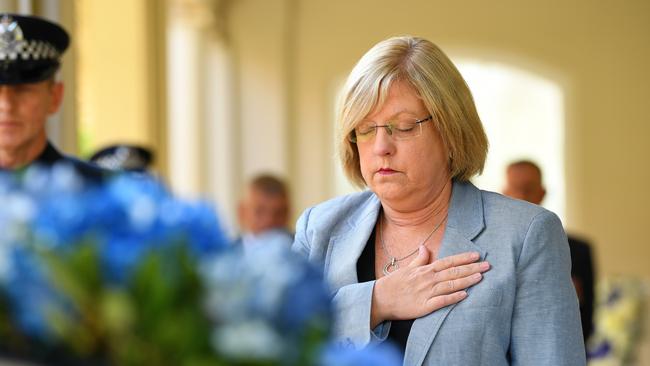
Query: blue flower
{"x": 33, "y": 296}
{"x": 384, "y": 354}
{"x": 53, "y": 212}
{"x": 602, "y": 350}
{"x": 270, "y": 289}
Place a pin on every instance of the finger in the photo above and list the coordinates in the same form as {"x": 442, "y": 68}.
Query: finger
{"x": 451, "y": 286}
{"x": 422, "y": 258}
{"x": 461, "y": 271}
{"x": 438, "y": 302}
{"x": 455, "y": 260}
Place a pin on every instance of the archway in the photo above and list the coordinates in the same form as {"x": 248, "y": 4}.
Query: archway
{"x": 523, "y": 115}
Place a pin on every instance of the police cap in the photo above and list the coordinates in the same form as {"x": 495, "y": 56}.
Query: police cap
{"x": 30, "y": 48}
{"x": 123, "y": 157}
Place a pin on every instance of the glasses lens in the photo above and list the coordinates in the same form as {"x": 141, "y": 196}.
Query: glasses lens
{"x": 365, "y": 131}
{"x": 406, "y": 128}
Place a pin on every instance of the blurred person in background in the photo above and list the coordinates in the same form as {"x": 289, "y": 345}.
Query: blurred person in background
{"x": 30, "y": 54}
{"x": 263, "y": 212}
{"x": 406, "y": 258}
{"x": 524, "y": 182}
{"x": 132, "y": 158}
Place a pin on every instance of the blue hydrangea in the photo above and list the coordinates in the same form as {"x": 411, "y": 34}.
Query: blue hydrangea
{"x": 270, "y": 299}
{"x": 54, "y": 211}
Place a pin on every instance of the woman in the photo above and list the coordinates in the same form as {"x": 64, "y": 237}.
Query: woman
{"x": 403, "y": 256}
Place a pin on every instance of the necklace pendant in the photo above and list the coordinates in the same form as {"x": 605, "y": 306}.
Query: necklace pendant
{"x": 391, "y": 266}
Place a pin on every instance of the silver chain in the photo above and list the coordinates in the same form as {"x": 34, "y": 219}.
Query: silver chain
{"x": 392, "y": 264}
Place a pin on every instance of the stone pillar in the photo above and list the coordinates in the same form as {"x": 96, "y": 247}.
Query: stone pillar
{"x": 202, "y": 126}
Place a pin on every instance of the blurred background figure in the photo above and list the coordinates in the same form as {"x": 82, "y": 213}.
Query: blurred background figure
{"x": 263, "y": 212}
{"x": 524, "y": 182}
{"x": 124, "y": 157}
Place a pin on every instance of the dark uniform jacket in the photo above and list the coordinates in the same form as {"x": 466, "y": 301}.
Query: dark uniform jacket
{"x": 51, "y": 156}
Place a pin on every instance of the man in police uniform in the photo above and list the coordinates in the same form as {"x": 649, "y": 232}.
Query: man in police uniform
{"x": 30, "y": 53}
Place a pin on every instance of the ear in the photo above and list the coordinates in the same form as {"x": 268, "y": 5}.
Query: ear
{"x": 56, "y": 93}
{"x": 539, "y": 196}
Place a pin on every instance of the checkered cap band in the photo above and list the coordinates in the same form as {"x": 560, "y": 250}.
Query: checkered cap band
{"x": 30, "y": 50}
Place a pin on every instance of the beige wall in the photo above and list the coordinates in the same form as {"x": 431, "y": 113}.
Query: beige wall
{"x": 118, "y": 46}
{"x": 261, "y": 49}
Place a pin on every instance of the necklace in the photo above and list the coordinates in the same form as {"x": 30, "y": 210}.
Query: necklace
{"x": 393, "y": 262}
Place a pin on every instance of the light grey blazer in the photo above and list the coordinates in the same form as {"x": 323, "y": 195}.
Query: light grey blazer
{"x": 523, "y": 312}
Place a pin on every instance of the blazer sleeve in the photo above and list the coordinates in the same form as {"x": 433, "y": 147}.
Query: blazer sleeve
{"x": 546, "y": 326}
{"x": 352, "y": 303}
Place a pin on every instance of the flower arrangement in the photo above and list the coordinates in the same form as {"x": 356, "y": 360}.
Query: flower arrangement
{"x": 618, "y": 321}
{"x": 123, "y": 273}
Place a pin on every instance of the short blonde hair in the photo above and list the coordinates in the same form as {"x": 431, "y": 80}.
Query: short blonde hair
{"x": 440, "y": 86}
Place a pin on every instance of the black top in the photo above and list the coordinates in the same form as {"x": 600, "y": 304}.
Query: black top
{"x": 51, "y": 156}
{"x": 582, "y": 270}
{"x": 399, "y": 329}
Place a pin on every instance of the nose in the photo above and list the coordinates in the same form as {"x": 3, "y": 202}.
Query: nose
{"x": 383, "y": 144}
{"x": 6, "y": 98}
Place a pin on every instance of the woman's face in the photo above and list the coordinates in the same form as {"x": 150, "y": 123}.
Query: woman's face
{"x": 407, "y": 171}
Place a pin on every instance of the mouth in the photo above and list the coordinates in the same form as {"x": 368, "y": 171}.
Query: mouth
{"x": 386, "y": 171}
{"x": 9, "y": 124}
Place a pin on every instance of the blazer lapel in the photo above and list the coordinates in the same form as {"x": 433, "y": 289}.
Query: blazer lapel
{"x": 346, "y": 247}
{"x": 465, "y": 223}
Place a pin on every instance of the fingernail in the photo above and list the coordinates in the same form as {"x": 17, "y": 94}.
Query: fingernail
{"x": 462, "y": 294}
{"x": 484, "y": 266}
{"x": 476, "y": 255}
{"x": 477, "y": 276}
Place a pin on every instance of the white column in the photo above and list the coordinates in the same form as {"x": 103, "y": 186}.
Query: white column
{"x": 25, "y": 7}
{"x": 184, "y": 109}
{"x": 203, "y": 128}
{"x": 222, "y": 131}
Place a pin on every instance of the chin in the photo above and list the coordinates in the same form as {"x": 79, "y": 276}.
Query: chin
{"x": 8, "y": 142}
{"x": 390, "y": 191}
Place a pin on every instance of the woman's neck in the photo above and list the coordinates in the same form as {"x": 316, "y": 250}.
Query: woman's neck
{"x": 430, "y": 209}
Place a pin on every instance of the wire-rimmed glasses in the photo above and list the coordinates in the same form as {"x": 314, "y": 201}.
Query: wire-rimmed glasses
{"x": 402, "y": 128}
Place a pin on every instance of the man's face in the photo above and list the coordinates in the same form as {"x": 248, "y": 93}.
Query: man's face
{"x": 523, "y": 182}
{"x": 261, "y": 211}
{"x": 24, "y": 109}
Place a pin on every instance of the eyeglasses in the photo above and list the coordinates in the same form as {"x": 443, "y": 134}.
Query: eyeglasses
{"x": 401, "y": 129}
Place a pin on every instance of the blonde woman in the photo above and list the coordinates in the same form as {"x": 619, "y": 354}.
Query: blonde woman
{"x": 407, "y": 258}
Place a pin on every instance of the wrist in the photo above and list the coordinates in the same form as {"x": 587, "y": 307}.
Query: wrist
{"x": 378, "y": 313}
